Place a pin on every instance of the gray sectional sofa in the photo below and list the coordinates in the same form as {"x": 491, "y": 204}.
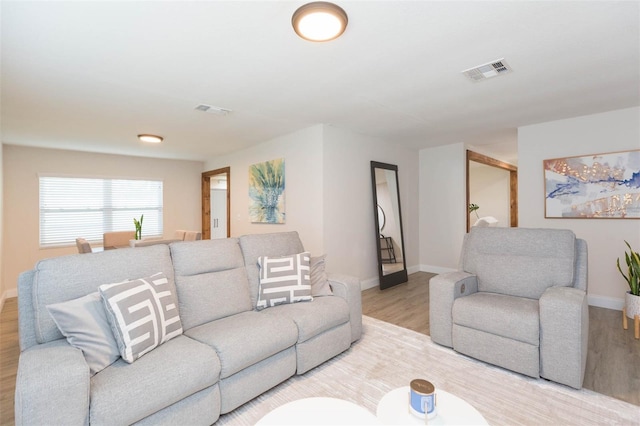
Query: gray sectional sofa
{"x": 227, "y": 354}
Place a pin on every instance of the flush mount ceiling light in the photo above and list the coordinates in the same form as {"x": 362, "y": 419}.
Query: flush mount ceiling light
{"x": 319, "y": 21}
{"x": 150, "y": 138}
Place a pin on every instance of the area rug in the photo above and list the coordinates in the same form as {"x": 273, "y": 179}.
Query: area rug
{"x": 388, "y": 357}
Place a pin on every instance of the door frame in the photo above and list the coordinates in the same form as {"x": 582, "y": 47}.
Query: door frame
{"x": 206, "y": 201}
{"x": 513, "y": 184}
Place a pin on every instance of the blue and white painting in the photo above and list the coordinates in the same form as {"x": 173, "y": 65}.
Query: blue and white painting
{"x": 593, "y": 186}
{"x": 266, "y": 192}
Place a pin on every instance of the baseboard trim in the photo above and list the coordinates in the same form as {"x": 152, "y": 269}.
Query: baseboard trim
{"x": 7, "y": 295}
{"x": 605, "y": 302}
{"x": 369, "y": 283}
{"x": 435, "y": 269}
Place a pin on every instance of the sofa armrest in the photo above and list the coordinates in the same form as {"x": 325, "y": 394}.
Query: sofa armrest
{"x": 564, "y": 334}
{"x": 443, "y": 290}
{"x": 348, "y": 288}
{"x": 52, "y": 385}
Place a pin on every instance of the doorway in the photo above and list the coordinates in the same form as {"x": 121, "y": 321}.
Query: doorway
{"x": 216, "y": 203}
{"x": 474, "y": 158}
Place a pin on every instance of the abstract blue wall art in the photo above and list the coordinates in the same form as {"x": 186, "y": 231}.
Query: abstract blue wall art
{"x": 600, "y": 186}
{"x": 266, "y": 192}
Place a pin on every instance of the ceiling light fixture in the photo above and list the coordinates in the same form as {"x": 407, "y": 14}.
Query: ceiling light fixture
{"x": 319, "y": 21}
{"x": 150, "y": 138}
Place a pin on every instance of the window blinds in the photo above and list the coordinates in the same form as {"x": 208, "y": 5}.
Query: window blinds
{"x": 83, "y": 207}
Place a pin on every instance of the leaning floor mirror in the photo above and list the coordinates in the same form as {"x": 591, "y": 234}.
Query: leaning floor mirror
{"x": 392, "y": 267}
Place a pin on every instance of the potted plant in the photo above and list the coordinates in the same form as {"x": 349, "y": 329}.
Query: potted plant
{"x": 138, "y": 225}
{"x": 632, "y": 297}
{"x": 474, "y": 208}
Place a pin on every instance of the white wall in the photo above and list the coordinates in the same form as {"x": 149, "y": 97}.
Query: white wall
{"x": 443, "y": 213}
{"x": 489, "y": 188}
{"x": 302, "y": 152}
{"x": 350, "y": 233}
{"x": 21, "y": 165}
{"x": 328, "y": 194}
{"x": 3, "y": 293}
{"x": 600, "y": 133}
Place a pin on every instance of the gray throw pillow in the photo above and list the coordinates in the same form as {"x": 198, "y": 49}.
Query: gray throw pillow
{"x": 283, "y": 280}
{"x": 319, "y": 282}
{"x": 143, "y": 314}
{"x": 84, "y": 323}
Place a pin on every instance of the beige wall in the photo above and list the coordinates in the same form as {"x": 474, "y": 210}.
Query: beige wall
{"x": 3, "y": 294}
{"x": 302, "y": 153}
{"x": 21, "y": 165}
{"x": 329, "y": 195}
{"x": 593, "y": 134}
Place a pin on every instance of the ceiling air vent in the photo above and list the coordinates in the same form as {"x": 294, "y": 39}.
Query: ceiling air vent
{"x": 212, "y": 109}
{"x": 485, "y": 71}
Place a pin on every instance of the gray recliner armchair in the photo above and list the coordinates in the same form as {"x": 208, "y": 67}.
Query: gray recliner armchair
{"x": 519, "y": 301}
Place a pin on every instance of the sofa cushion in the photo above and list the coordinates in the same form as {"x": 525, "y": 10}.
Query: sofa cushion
{"x": 284, "y": 279}
{"x": 68, "y": 277}
{"x": 211, "y": 280}
{"x": 244, "y": 339}
{"x": 204, "y": 256}
{"x": 319, "y": 281}
{"x": 125, "y": 393}
{"x": 83, "y": 321}
{"x": 520, "y": 261}
{"x": 316, "y": 317}
{"x": 143, "y": 314}
{"x": 512, "y": 317}
{"x": 272, "y": 244}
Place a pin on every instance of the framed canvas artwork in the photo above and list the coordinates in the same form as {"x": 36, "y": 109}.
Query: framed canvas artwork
{"x": 598, "y": 186}
{"x": 266, "y": 192}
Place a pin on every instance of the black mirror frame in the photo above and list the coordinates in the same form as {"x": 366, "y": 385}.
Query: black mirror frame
{"x": 398, "y": 277}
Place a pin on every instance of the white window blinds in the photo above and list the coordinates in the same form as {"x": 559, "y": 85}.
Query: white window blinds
{"x": 80, "y": 207}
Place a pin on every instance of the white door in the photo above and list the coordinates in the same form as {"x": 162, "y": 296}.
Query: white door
{"x": 218, "y": 213}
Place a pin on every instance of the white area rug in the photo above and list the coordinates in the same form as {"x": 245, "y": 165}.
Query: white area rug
{"x": 387, "y": 357}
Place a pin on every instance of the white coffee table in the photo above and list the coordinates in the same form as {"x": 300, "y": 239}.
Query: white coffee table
{"x": 319, "y": 411}
{"x": 393, "y": 409}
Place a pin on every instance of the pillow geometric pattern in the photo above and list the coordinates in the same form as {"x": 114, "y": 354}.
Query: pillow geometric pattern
{"x": 284, "y": 280}
{"x": 143, "y": 314}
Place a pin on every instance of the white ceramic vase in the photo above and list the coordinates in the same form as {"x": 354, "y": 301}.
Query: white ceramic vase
{"x": 632, "y": 305}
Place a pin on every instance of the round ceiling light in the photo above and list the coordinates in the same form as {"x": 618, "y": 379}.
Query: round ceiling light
{"x": 150, "y": 138}
{"x": 319, "y": 21}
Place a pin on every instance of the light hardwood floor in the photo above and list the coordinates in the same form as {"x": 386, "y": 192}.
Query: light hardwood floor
{"x": 612, "y": 361}
{"x": 613, "y": 358}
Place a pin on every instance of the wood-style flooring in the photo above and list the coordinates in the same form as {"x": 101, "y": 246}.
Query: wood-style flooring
{"x": 612, "y": 362}
{"x": 613, "y": 358}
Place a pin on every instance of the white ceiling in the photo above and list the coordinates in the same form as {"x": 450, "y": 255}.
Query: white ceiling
{"x": 92, "y": 75}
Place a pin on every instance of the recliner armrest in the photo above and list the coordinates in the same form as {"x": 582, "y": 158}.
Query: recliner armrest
{"x": 443, "y": 290}
{"x": 564, "y": 334}
{"x": 348, "y": 288}
{"x": 52, "y": 385}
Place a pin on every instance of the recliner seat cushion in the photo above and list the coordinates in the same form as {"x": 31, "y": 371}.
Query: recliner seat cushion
{"x": 512, "y": 317}
{"x": 126, "y": 393}
{"x": 245, "y": 339}
{"x": 520, "y": 261}
{"x": 315, "y": 317}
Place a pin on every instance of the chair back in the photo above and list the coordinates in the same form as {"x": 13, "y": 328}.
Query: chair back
{"x": 521, "y": 262}
{"x": 111, "y": 240}
{"x": 179, "y": 234}
{"x": 83, "y": 246}
{"x": 192, "y": 236}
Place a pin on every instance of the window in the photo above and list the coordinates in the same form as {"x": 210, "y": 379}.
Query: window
{"x": 82, "y": 207}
